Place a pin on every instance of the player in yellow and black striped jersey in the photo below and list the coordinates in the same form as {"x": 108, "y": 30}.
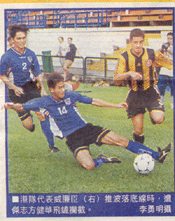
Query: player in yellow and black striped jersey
{"x": 137, "y": 67}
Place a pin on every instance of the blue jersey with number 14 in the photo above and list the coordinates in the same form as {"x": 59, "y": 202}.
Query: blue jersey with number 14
{"x": 64, "y": 115}
{"x": 20, "y": 66}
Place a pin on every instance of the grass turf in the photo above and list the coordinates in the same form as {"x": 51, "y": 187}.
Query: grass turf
{"x": 33, "y": 169}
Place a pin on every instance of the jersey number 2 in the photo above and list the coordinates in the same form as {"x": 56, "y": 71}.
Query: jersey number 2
{"x": 24, "y": 66}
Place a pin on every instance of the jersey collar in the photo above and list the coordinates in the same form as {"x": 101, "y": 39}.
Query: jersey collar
{"x": 56, "y": 100}
{"x": 17, "y": 51}
{"x": 139, "y": 55}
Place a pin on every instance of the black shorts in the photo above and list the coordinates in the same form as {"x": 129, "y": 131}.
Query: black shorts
{"x": 138, "y": 101}
{"x": 83, "y": 137}
{"x": 31, "y": 91}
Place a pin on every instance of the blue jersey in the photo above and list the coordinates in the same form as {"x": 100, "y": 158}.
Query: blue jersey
{"x": 20, "y": 66}
{"x": 64, "y": 115}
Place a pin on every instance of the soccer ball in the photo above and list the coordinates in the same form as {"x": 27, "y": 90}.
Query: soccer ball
{"x": 144, "y": 163}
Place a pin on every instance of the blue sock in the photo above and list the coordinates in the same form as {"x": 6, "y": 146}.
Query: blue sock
{"x": 98, "y": 162}
{"x": 45, "y": 125}
{"x": 139, "y": 148}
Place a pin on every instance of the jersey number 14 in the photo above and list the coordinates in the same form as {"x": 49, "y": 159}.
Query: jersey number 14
{"x": 63, "y": 110}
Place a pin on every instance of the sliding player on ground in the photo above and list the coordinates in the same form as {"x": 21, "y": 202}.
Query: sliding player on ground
{"x": 67, "y": 122}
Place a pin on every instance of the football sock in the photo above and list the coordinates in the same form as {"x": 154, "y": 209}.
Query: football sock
{"x": 45, "y": 125}
{"x": 138, "y": 138}
{"x": 98, "y": 162}
{"x": 139, "y": 148}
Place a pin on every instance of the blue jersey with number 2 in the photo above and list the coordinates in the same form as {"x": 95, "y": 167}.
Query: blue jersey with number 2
{"x": 64, "y": 115}
{"x": 20, "y": 66}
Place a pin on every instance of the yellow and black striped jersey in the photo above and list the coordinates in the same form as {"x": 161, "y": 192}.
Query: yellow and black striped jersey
{"x": 144, "y": 64}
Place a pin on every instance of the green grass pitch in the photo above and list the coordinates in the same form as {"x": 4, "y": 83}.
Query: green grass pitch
{"x": 33, "y": 169}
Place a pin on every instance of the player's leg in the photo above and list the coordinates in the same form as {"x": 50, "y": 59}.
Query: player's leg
{"x": 156, "y": 116}
{"x": 27, "y": 121}
{"x": 112, "y": 138}
{"x": 154, "y": 106}
{"x": 85, "y": 160}
{"x": 137, "y": 122}
{"x": 79, "y": 141}
{"x": 25, "y": 116}
{"x": 135, "y": 111}
{"x": 45, "y": 125}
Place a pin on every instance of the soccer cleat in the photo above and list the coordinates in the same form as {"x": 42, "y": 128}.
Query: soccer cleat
{"x": 163, "y": 153}
{"x": 109, "y": 159}
{"x": 54, "y": 149}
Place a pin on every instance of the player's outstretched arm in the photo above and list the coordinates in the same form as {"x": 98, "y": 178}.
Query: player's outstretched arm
{"x": 101, "y": 103}
{"x": 16, "y": 107}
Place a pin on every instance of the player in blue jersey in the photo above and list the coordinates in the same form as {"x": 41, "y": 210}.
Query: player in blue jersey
{"x": 20, "y": 71}
{"x": 66, "y": 121}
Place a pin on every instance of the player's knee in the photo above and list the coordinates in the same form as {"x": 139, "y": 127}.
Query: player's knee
{"x": 28, "y": 123}
{"x": 30, "y": 127}
{"x": 157, "y": 118}
{"x": 85, "y": 160}
{"x": 88, "y": 165}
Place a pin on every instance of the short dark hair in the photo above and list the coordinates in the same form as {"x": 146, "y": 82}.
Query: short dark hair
{"x": 53, "y": 79}
{"x": 14, "y": 28}
{"x": 137, "y": 33}
{"x": 70, "y": 38}
{"x": 170, "y": 33}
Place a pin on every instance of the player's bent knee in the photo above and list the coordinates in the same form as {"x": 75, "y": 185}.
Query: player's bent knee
{"x": 88, "y": 166}
{"x": 28, "y": 124}
{"x": 157, "y": 118}
{"x": 85, "y": 160}
{"x": 159, "y": 121}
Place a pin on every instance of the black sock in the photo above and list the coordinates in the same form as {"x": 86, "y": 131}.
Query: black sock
{"x": 139, "y": 139}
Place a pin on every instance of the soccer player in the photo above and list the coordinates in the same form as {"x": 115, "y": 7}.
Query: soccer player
{"x": 19, "y": 68}
{"x": 70, "y": 56}
{"x": 165, "y": 75}
{"x": 61, "y": 50}
{"x": 67, "y": 122}
{"x": 137, "y": 67}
